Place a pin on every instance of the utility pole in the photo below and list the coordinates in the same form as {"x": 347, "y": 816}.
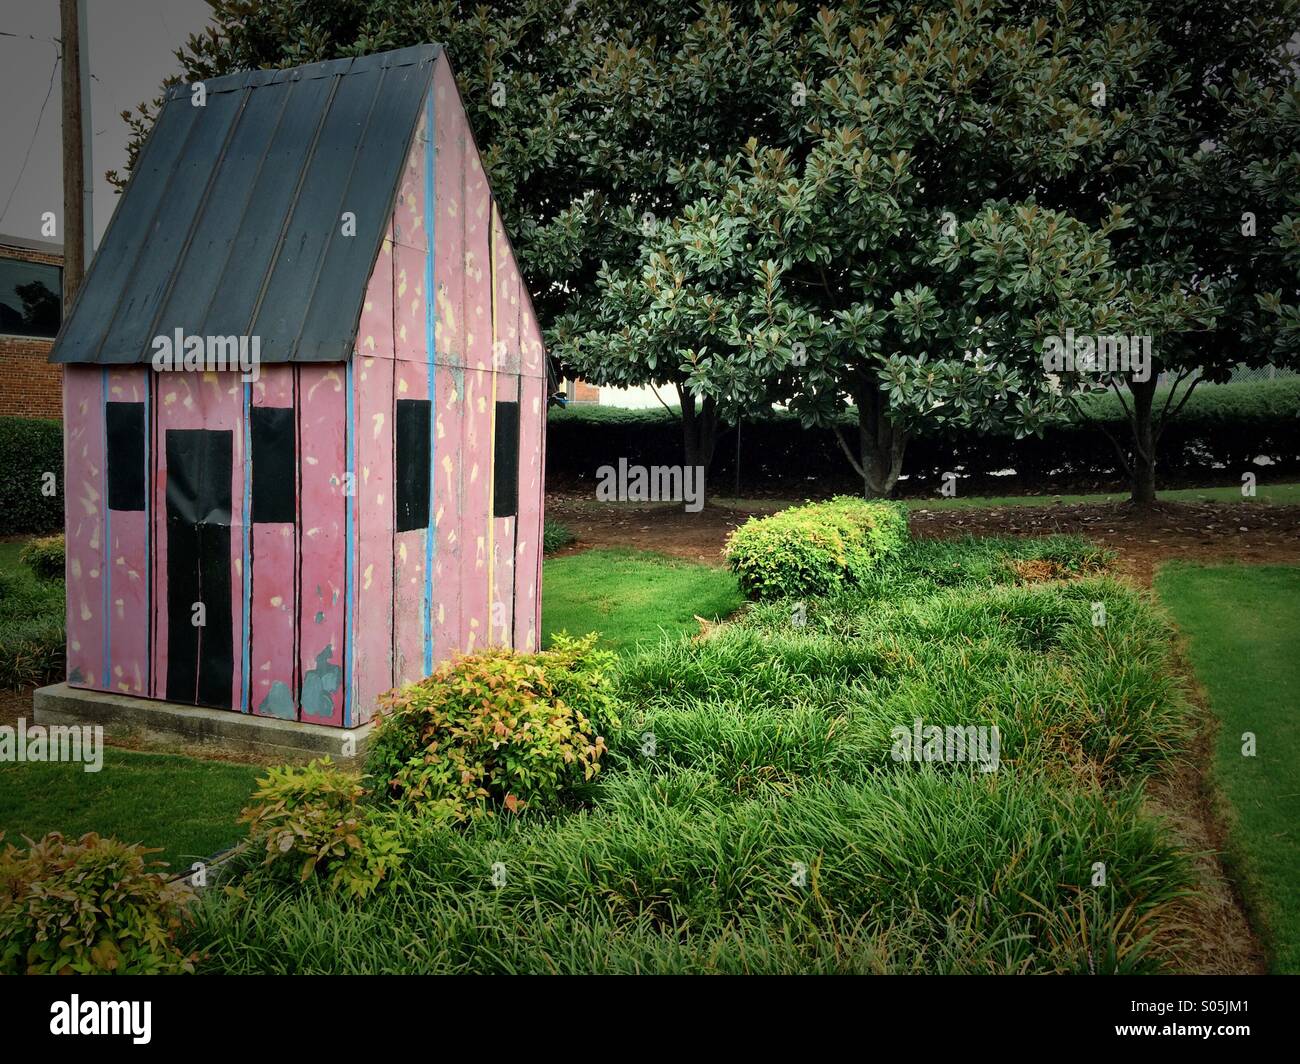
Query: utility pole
{"x": 78, "y": 228}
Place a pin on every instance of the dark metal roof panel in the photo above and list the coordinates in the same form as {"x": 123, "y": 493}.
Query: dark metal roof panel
{"x": 180, "y": 211}
{"x": 208, "y": 258}
{"x": 255, "y": 242}
{"x": 82, "y": 333}
{"x": 232, "y": 223}
{"x": 380, "y": 158}
{"x": 317, "y": 215}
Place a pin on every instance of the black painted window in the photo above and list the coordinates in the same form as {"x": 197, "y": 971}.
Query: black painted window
{"x": 413, "y": 460}
{"x": 124, "y": 425}
{"x": 505, "y": 468}
{"x": 273, "y": 463}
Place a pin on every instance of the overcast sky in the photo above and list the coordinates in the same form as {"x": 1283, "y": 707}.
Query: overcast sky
{"x": 130, "y": 49}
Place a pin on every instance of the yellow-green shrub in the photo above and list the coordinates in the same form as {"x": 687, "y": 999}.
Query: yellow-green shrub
{"x": 310, "y": 820}
{"x": 814, "y": 549}
{"x": 45, "y": 557}
{"x": 497, "y": 729}
{"x": 93, "y": 906}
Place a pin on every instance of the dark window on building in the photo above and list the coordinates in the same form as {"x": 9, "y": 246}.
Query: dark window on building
{"x": 31, "y": 298}
{"x": 124, "y": 425}
{"x": 412, "y": 464}
{"x": 273, "y": 463}
{"x": 505, "y": 463}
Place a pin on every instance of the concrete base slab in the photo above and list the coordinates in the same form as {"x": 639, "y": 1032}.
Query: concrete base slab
{"x": 171, "y": 722}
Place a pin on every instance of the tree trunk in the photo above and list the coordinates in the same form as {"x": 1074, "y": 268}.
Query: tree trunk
{"x": 699, "y": 428}
{"x": 881, "y": 444}
{"x": 1144, "y": 442}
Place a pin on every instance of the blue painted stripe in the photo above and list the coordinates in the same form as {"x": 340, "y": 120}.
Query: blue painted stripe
{"x": 349, "y": 570}
{"x": 430, "y": 317}
{"x": 106, "y": 570}
{"x": 245, "y": 694}
{"x": 148, "y": 530}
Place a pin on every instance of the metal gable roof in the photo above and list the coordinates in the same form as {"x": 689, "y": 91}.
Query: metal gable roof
{"x": 232, "y": 221}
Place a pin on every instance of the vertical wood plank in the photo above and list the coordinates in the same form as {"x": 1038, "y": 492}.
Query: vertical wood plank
{"x": 85, "y": 506}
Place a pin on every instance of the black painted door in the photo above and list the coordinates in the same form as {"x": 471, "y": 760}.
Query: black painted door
{"x": 200, "y": 656}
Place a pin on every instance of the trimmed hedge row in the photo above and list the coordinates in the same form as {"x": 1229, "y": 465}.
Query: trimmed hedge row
{"x": 30, "y": 448}
{"x": 1221, "y": 430}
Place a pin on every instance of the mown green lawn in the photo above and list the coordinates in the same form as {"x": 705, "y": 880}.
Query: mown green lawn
{"x": 1243, "y": 629}
{"x": 632, "y": 597}
{"x": 186, "y": 807}
{"x": 1265, "y": 494}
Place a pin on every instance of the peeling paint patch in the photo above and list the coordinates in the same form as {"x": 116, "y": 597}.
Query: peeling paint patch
{"x": 278, "y": 702}
{"x": 319, "y": 684}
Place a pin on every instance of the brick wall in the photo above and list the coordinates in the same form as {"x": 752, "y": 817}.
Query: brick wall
{"x": 29, "y": 385}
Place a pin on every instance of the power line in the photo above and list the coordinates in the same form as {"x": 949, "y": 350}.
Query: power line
{"x": 23, "y": 169}
{"x": 32, "y": 37}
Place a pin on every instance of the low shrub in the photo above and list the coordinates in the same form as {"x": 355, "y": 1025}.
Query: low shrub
{"x": 31, "y": 629}
{"x": 45, "y": 557}
{"x": 94, "y": 906}
{"x": 310, "y": 820}
{"x": 555, "y": 535}
{"x": 497, "y": 729}
{"x": 32, "y": 652}
{"x": 814, "y": 549}
{"x": 29, "y": 449}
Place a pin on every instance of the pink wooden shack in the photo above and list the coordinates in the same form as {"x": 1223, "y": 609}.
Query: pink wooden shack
{"x": 369, "y": 505}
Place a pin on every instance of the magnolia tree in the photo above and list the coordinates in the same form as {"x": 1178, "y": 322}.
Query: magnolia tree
{"x": 579, "y": 108}
{"x": 898, "y": 255}
{"x": 879, "y": 202}
{"x": 1273, "y": 180}
{"x": 1205, "y": 162}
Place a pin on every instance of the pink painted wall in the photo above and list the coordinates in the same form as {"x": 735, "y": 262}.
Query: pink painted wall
{"x": 335, "y": 607}
{"x": 273, "y": 678}
{"x": 128, "y": 591}
{"x": 86, "y": 512}
{"x": 474, "y": 354}
{"x": 370, "y": 639}
{"x": 451, "y": 624}
{"x": 322, "y": 516}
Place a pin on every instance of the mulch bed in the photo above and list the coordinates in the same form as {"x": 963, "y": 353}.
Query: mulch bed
{"x": 1143, "y": 539}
